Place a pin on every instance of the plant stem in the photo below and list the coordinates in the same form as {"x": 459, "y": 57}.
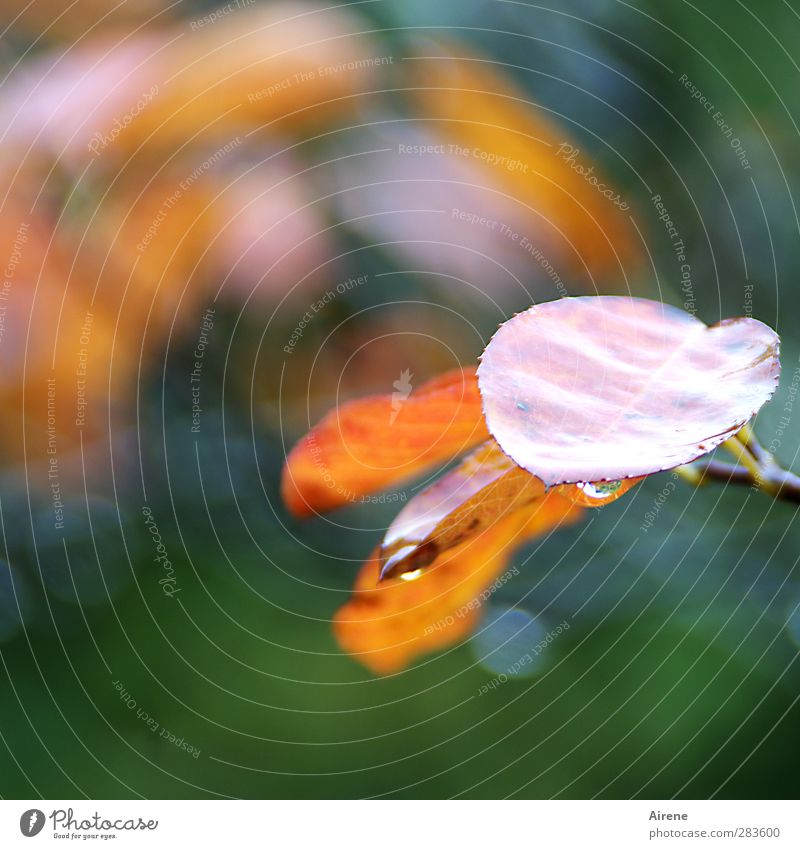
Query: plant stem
{"x": 745, "y": 457}
{"x": 748, "y": 438}
{"x": 755, "y": 467}
{"x": 716, "y": 470}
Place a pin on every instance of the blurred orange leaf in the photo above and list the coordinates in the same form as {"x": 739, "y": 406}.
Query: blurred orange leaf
{"x": 605, "y": 388}
{"x": 370, "y": 443}
{"x": 166, "y": 88}
{"x": 571, "y": 206}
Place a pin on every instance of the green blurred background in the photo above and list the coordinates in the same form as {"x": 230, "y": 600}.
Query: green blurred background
{"x": 678, "y": 675}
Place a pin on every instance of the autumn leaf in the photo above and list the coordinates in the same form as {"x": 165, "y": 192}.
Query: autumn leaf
{"x": 386, "y": 625}
{"x": 605, "y": 388}
{"x": 482, "y": 489}
{"x": 370, "y": 443}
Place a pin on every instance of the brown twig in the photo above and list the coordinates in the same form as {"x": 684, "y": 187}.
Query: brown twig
{"x": 758, "y": 469}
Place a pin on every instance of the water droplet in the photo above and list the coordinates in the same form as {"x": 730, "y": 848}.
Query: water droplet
{"x": 521, "y": 405}
{"x": 599, "y": 489}
{"x": 411, "y": 576}
{"x": 406, "y": 559}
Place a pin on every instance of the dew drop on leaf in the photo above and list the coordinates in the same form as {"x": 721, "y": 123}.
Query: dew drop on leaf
{"x": 408, "y": 560}
{"x": 600, "y": 490}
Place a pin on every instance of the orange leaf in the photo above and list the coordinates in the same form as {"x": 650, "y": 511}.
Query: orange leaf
{"x": 485, "y": 486}
{"x": 371, "y": 443}
{"x": 386, "y": 625}
{"x": 605, "y": 388}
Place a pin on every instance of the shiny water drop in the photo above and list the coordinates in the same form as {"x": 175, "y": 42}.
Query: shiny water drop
{"x": 599, "y": 489}
{"x": 411, "y": 576}
{"x": 406, "y": 559}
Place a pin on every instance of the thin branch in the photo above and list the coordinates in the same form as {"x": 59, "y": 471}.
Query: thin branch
{"x": 755, "y": 467}
{"x": 747, "y": 437}
{"x": 716, "y": 470}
